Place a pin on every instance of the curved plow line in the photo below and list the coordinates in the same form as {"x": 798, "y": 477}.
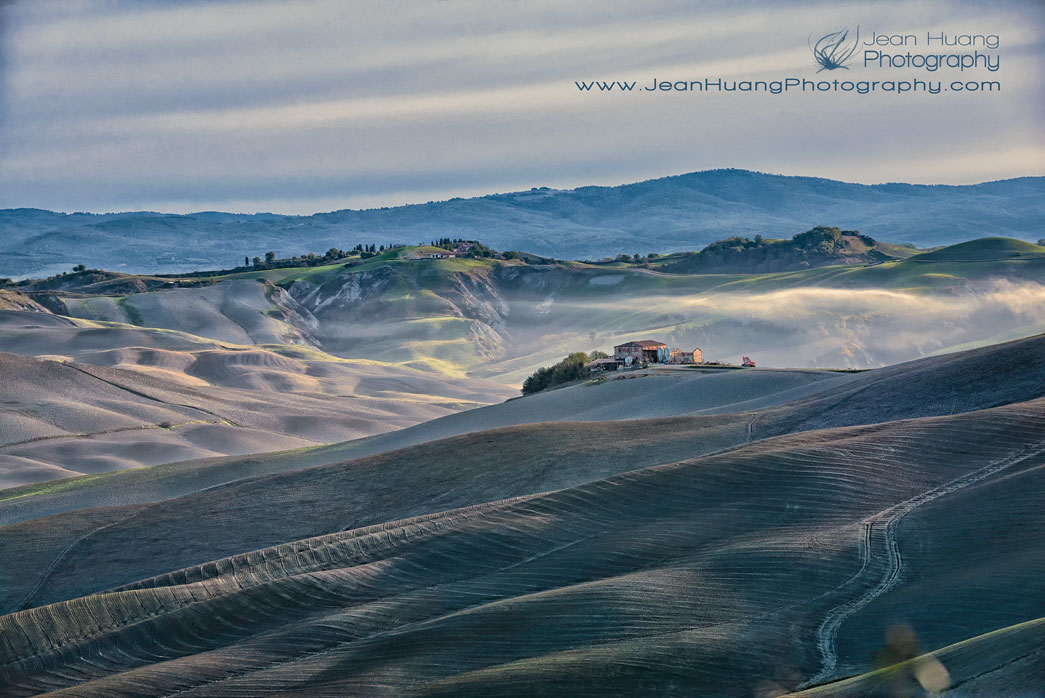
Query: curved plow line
{"x": 827, "y": 633}
{"x": 50, "y": 569}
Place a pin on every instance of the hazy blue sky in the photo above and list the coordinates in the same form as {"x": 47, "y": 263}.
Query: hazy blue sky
{"x": 307, "y": 106}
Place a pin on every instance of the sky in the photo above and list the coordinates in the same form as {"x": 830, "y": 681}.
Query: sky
{"x": 300, "y": 107}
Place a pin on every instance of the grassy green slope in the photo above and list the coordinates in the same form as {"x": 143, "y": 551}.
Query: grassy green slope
{"x": 985, "y": 249}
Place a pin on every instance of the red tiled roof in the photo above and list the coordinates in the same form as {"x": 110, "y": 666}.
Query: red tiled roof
{"x": 645, "y": 344}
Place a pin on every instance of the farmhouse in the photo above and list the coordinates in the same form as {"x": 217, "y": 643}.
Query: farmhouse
{"x": 646, "y": 350}
{"x": 678, "y": 356}
{"x": 441, "y": 255}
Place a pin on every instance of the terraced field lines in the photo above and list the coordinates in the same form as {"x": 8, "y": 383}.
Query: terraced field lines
{"x": 827, "y": 633}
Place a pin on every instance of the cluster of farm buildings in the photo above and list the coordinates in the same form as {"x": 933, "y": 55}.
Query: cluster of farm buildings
{"x": 646, "y": 351}
{"x": 461, "y": 249}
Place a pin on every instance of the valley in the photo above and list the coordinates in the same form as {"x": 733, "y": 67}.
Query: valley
{"x": 317, "y": 476}
{"x": 501, "y": 319}
{"x": 424, "y": 350}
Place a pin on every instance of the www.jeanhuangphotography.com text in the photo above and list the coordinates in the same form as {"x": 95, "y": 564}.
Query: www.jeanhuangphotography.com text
{"x": 836, "y": 51}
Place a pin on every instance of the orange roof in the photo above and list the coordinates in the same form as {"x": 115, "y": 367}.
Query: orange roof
{"x": 644, "y": 343}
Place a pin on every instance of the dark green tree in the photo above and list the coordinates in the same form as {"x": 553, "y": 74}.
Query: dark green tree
{"x": 569, "y": 369}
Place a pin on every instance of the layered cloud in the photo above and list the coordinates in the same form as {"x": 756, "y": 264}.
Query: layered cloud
{"x": 304, "y": 107}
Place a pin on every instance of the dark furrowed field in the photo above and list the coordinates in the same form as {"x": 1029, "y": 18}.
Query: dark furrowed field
{"x": 714, "y": 554}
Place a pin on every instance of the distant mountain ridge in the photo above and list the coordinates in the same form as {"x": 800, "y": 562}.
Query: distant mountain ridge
{"x": 682, "y": 212}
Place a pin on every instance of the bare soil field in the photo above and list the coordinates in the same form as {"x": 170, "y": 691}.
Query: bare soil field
{"x": 713, "y": 552}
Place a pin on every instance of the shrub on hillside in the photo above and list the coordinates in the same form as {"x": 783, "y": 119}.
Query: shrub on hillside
{"x": 569, "y": 369}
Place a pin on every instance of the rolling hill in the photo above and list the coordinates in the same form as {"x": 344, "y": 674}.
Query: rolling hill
{"x": 820, "y": 246}
{"x": 1005, "y": 662}
{"x": 742, "y": 531}
{"x": 80, "y": 410}
{"x": 710, "y": 574}
{"x": 677, "y": 213}
{"x": 501, "y": 320}
{"x": 728, "y": 409}
{"x": 971, "y": 380}
{"x": 360, "y": 347}
{"x": 303, "y": 477}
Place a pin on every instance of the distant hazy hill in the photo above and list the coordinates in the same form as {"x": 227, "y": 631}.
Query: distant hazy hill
{"x": 684, "y": 212}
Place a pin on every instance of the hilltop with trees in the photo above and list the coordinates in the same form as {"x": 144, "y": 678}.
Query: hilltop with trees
{"x": 817, "y": 247}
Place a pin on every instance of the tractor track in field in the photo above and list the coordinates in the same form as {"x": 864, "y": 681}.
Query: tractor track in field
{"x": 152, "y": 398}
{"x": 26, "y": 601}
{"x": 887, "y": 521}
